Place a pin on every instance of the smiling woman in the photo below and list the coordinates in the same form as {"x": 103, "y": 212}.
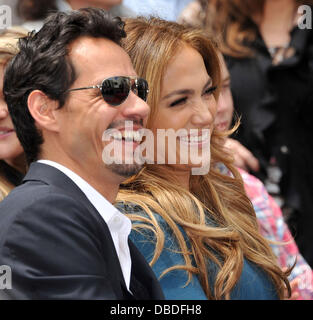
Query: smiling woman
{"x": 199, "y": 232}
{"x": 12, "y": 161}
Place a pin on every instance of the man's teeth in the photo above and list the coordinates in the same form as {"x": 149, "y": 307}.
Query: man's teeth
{"x": 128, "y": 136}
{"x": 201, "y": 138}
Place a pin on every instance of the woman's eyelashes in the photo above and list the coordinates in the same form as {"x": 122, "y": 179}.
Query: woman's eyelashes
{"x": 209, "y": 91}
{"x": 178, "y": 102}
{"x": 183, "y": 100}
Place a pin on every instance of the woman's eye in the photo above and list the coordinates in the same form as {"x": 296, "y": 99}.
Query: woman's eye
{"x": 209, "y": 91}
{"x": 178, "y": 102}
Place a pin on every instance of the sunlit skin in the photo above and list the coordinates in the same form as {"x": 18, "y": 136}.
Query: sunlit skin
{"x": 186, "y": 102}
{"x": 104, "y": 4}
{"x": 10, "y": 149}
{"x": 73, "y": 137}
{"x": 277, "y": 20}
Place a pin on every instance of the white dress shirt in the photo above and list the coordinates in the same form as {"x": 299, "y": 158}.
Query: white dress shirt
{"x": 118, "y": 224}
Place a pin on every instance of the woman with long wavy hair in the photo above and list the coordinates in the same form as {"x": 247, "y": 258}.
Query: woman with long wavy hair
{"x": 12, "y": 159}
{"x": 268, "y": 46}
{"x": 199, "y": 232}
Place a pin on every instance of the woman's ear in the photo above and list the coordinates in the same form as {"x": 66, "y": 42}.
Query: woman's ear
{"x": 42, "y": 110}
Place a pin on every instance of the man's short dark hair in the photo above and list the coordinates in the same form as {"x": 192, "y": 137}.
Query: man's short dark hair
{"x": 43, "y": 64}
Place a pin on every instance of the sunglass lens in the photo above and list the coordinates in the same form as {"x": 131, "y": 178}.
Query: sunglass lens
{"x": 115, "y": 90}
{"x": 142, "y": 89}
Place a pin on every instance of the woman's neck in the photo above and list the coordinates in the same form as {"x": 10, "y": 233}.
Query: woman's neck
{"x": 183, "y": 177}
{"x": 277, "y": 21}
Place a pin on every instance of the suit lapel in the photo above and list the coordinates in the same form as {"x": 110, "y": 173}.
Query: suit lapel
{"x": 144, "y": 284}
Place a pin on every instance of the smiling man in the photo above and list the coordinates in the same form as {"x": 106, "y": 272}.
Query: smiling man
{"x": 60, "y": 234}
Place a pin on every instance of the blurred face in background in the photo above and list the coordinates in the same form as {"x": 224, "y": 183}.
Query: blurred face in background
{"x": 104, "y": 4}
{"x": 10, "y": 148}
{"x": 225, "y": 104}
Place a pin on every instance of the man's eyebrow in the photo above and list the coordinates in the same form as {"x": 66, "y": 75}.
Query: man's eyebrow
{"x": 97, "y": 81}
{"x": 185, "y": 91}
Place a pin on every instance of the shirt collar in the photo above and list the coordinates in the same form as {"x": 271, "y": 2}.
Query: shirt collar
{"x": 103, "y": 206}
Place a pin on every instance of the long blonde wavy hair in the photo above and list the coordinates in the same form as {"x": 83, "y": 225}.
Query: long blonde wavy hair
{"x": 8, "y": 48}
{"x": 151, "y": 45}
{"x": 234, "y": 21}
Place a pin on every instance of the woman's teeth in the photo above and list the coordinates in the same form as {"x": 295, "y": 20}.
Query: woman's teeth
{"x": 201, "y": 138}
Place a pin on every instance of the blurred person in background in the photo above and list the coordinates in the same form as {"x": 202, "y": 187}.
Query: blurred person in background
{"x": 165, "y": 9}
{"x": 12, "y": 159}
{"x": 35, "y": 11}
{"x": 269, "y": 53}
{"x": 269, "y": 215}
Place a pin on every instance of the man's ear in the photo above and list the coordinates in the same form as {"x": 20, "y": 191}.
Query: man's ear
{"x": 42, "y": 110}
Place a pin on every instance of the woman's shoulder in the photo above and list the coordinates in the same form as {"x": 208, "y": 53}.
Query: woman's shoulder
{"x": 128, "y": 208}
{"x": 253, "y": 284}
{"x": 134, "y": 209}
{"x": 149, "y": 225}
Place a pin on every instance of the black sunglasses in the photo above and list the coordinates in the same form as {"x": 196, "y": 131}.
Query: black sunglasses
{"x": 115, "y": 90}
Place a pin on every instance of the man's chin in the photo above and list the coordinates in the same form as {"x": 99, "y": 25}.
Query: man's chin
{"x": 125, "y": 170}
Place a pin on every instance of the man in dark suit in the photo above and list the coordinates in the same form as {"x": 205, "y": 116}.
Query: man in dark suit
{"x": 60, "y": 234}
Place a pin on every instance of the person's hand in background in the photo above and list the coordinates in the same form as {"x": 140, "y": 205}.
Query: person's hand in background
{"x": 243, "y": 158}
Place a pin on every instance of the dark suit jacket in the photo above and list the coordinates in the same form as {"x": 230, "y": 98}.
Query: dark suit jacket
{"x": 59, "y": 247}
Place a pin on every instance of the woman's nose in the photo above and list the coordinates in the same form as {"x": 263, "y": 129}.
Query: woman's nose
{"x": 205, "y": 113}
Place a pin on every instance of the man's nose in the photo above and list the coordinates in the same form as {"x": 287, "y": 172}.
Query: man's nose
{"x": 135, "y": 108}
